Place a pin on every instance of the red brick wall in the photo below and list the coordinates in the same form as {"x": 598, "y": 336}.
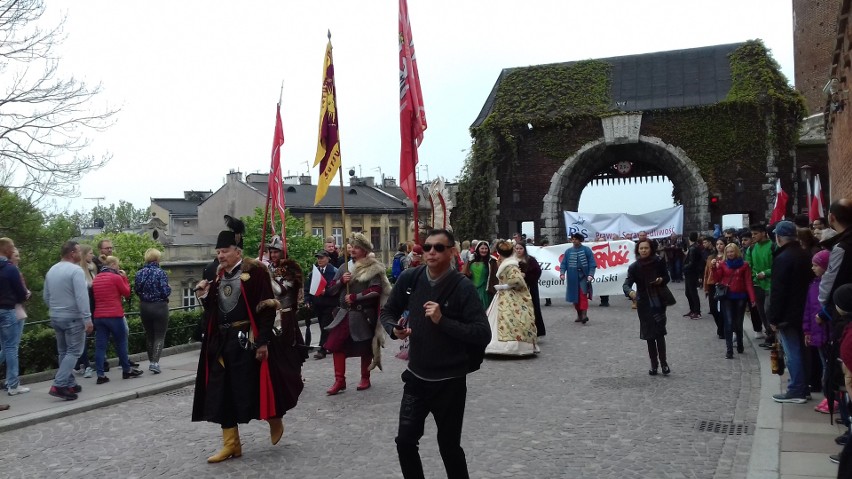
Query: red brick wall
{"x": 839, "y": 126}
{"x": 814, "y": 29}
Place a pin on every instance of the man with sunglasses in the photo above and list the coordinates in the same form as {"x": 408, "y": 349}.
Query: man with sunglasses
{"x": 241, "y": 354}
{"x": 446, "y": 330}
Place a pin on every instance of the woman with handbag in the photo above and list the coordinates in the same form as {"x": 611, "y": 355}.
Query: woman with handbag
{"x": 650, "y": 276}
{"x": 710, "y": 287}
{"x": 733, "y": 288}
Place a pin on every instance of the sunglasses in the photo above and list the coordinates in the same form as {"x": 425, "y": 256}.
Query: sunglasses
{"x": 439, "y": 248}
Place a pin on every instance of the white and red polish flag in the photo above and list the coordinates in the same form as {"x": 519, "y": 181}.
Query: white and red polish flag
{"x": 816, "y": 210}
{"x": 317, "y": 282}
{"x": 780, "y": 209}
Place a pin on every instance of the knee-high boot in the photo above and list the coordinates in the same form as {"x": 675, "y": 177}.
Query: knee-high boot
{"x": 339, "y": 374}
{"x": 231, "y": 447}
{"x": 365, "y": 373}
{"x": 276, "y": 429}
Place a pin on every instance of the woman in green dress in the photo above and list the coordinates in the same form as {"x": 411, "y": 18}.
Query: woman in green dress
{"x": 482, "y": 271}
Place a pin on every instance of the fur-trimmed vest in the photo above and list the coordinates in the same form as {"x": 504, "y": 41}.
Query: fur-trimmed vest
{"x": 363, "y": 314}
{"x": 287, "y": 282}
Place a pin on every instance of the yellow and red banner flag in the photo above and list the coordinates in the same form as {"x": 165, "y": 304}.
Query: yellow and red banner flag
{"x": 412, "y": 116}
{"x": 328, "y": 144}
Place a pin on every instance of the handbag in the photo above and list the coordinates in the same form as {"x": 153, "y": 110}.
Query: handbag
{"x": 721, "y": 292}
{"x": 667, "y": 296}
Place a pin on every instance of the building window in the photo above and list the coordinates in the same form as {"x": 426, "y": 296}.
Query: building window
{"x": 393, "y": 238}
{"x": 376, "y": 238}
{"x": 338, "y": 236}
{"x": 189, "y": 299}
{"x": 318, "y": 232}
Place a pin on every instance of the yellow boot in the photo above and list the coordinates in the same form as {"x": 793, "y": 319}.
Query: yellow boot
{"x": 276, "y": 429}
{"x": 231, "y": 448}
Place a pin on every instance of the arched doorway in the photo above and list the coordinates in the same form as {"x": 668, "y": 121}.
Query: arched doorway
{"x": 650, "y": 154}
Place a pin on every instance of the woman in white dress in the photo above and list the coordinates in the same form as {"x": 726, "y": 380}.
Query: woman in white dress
{"x": 511, "y": 313}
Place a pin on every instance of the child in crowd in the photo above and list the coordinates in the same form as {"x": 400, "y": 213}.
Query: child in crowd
{"x": 815, "y": 332}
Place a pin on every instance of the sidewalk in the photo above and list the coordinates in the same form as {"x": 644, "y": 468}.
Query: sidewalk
{"x": 791, "y": 441}
{"x": 38, "y": 406}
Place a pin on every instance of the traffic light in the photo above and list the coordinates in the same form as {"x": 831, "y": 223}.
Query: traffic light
{"x": 714, "y": 200}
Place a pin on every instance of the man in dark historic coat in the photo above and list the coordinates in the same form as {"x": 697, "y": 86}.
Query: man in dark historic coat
{"x": 245, "y": 370}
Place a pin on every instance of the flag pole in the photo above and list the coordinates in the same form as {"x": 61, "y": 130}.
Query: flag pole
{"x": 283, "y": 219}
{"x": 342, "y": 207}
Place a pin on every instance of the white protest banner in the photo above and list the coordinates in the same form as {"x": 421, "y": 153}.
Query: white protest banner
{"x": 658, "y": 224}
{"x": 612, "y": 259}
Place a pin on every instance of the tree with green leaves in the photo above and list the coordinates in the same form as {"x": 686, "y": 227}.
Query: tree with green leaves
{"x": 116, "y": 218}
{"x": 301, "y": 247}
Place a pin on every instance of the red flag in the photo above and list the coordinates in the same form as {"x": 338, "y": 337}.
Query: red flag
{"x": 318, "y": 282}
{"x": 809, "y": 201}
{"x": 780, "y": 204}
{"x": 276, "y": 184}
{"x": 412, "y": 116}
{"x": 816, "y": 210}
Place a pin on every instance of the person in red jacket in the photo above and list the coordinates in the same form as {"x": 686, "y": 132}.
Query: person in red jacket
{"x": 734, "y": 274}
{"x": 108, "y": 287}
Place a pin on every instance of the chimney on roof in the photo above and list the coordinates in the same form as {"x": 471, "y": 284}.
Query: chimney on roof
{"x": 389, "y": 182}
{"x": 234, "y": 177}
{"x": 305, "y": 180}
{"x": 257, "y": 178}
{"x": 362, "y": 181}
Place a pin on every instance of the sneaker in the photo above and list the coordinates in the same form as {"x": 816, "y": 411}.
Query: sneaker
{"x": 835, "y": 458}
{"x": 154, "y": 368}
{"x": 759, "y": 335}
{"x": 88, "y": 373}
{"x": 77, "y": 388}
{"x": 787, "y": 398}
{"x": 842, "y": 439}
{"x": 133, "y": 364}
{"x": 63, "y": 393}
{"x": 103, "y": 379}
{"x": 78, "y": 371}
{"x": 822, "y": 407}
{"x": 133, "y": 373}
{"x": 18, "y": 390}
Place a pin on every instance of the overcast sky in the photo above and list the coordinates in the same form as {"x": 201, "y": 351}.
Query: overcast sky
{"x": 197, "y": 82}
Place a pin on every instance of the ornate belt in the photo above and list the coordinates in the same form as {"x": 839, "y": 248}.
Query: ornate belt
{"x": 285, "y": 310}
{"x": 235, "y": 324}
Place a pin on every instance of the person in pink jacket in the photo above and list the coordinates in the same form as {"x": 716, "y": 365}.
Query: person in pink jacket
{"x": 733, "y": 274}
{"x": 109, "y": 286}
{"x": 814, "y": 329}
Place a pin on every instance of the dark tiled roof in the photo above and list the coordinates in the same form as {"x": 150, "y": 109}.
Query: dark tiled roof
{"x": 650, "y": 81}
{"x": 301, "y": 198}
{"x": 177, "y": 206}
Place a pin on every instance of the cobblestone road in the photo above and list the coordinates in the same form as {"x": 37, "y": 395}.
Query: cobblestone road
{"x": 585, "y": 408}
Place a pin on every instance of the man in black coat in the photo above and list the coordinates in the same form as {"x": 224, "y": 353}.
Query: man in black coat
{"x": 693, "y": 268}
{"x": 791, "y": 276}
{"x": 322, "y": 304}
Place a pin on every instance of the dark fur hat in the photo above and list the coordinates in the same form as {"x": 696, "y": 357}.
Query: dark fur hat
{"x": 233, "y": 236}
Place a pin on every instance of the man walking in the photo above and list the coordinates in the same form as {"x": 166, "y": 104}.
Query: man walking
{"x": 67, "y": 296}
{"x": 577, "y": 269}
{"x": 759, "y": 257}
{"x": 445, "y": 330}
{"x": 788, "y": 292}
{"x": 321, "y": 303}
{"x": 693, "y": 268}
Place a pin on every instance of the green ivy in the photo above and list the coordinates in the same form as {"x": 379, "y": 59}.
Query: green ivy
{"x": 564, "y": 104}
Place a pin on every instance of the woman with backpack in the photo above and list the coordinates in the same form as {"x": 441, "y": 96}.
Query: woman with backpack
{"x": 734, "y": 288}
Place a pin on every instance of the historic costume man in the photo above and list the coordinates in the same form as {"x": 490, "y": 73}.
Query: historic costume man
{"x": 577, "y": 269}
{"x": 245, "y": 370}
{"x": 363, "y": 287}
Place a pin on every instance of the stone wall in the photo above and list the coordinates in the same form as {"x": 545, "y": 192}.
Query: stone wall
{"x": 814, "y": 29}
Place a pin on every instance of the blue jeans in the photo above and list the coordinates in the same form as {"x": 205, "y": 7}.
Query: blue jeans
{"x": 10, "y": 337}
{"x": 733, "y": 313}
{"x": 70, "y": 335}
{"x": 104, "y": 327}
{"x": 791, "y": 340}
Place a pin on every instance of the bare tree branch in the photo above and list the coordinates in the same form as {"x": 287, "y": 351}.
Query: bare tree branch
{"x": 44, "y": 118}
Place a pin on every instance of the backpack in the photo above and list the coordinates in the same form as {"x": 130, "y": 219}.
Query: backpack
{"x": 396, "y": 267}
{"x": 475, "y": 353}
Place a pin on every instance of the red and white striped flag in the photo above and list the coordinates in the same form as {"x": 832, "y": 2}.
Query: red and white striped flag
{"x": 780, "y": 209}
{"x": 816, "y": 210}
{"x": 318, "y": 282}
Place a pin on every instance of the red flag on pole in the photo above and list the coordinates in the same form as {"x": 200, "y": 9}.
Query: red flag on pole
{"x": 780, "y": 209}
{"x": 276, "y": 183}
{"x": 809, "y": 200}
{"x": 816, "y": 210}
{"x": 412, "y": 116}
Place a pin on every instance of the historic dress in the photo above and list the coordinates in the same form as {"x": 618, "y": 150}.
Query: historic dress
{"x": 232, "y": 386}
{"x": 511, "y": 314}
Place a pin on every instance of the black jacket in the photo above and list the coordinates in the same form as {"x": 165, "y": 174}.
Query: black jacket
{"x": 693, "y": 262}
{"x": 437, "y": 351}
{"x": 791, "y": 277}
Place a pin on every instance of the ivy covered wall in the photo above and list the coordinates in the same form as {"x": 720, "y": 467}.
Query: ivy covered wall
{"x": 541, "y": 115}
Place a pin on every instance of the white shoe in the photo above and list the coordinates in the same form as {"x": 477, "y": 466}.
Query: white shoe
{"x": 18, "y": 390}
{"x": 759, "y": 335}
{"x": 88, "y": 373}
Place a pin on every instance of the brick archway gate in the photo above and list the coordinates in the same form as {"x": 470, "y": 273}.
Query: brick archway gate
{"x": 577, "y": 170}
